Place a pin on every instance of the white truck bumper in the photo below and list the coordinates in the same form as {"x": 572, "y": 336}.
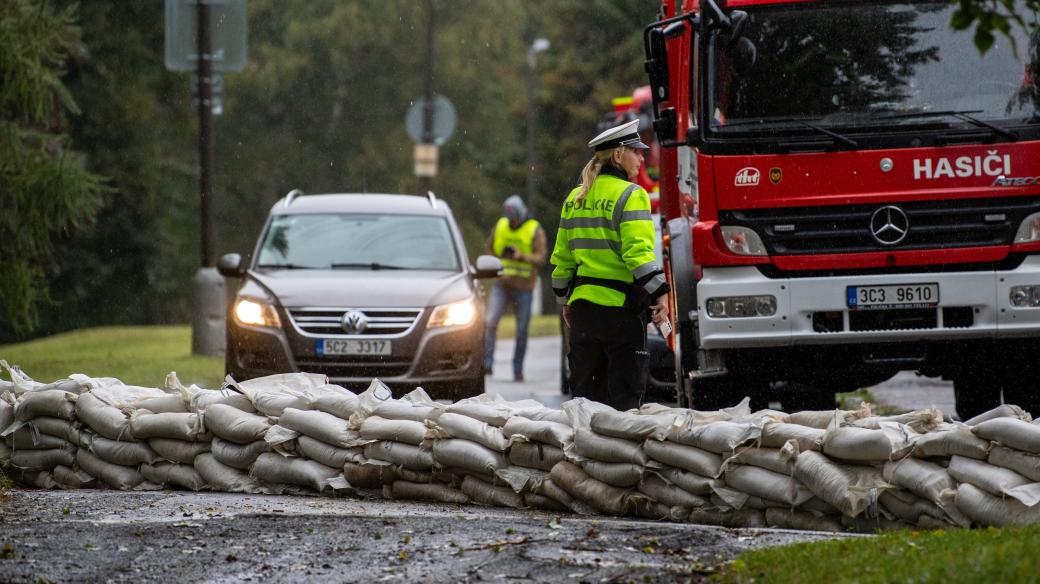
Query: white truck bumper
{"x": 987, "y": 293}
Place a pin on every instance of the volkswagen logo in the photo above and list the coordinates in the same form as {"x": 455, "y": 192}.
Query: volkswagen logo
{"x": 354, "y": 322}
{"x": 889, "y": 225}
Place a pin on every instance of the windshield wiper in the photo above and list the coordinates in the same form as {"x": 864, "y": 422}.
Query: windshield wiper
{"x": 287, "y": 266}
{"x": 845, "y": 140}
{"x": 369, "y": 265}
{"x": 960, "y": 115}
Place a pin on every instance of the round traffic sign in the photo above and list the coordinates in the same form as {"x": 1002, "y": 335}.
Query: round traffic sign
{"x": 443, "y": 119}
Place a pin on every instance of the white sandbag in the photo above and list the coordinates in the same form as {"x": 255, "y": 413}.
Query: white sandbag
{"x": 632, "y": 426}
{"x": 544, "y": 414}
{"x": 949, "y": 440}
{"x": 281, "y": 439}
{"x": 237, "y": 455}
{"x": 985, "y": 509}
{"x": 449, "y": 425}
{"x": 535, "y": 455}
{"x": 321, "y": 426}
{"x": 804, "y": 520}
{"x": 272, "y": 394}
{"x": 492, "y": 410}
{"x": 405, "y": 410}
{"x": 40, "y": 479}
{"x": 119, "y": 477}
{"x": 543, "y": 503}
{"x": 221, "y": 477}
{"x": 467, "y": 455}
{"x": 70, "y": 478}
{"x": 122, "y": 453}
{"x": 580, "y": 410}
{"x": 489, "y": 494}
{"x": 920, "y": 421}
{"x": 822, "y": 419}
{"x": 909, "y": 507}
{"x": 767, "y": 484}
{"x": 6, "y": 411}
{"x": 520, "y": 428}
{"x": 204, "y": 398}
{"x": 746, "y": 518}
{"x": 590, "y": 445}
{"x": 28, "y": 438}
{"x": 879, "y": 524}
{"x": 776, "y": 434}
{"x": 54, "y": 403}
{"x": 424, "y": 492}
{"x": 1011, "y": 432}
{"x": 850, "y": 488}
{"x": 57, "y": 427}
{"x": 889, "y": 442}
{"x": 995, "y": 480}
{"x": 178, "y": 450}
{"x": 618, "y": 474}
{"x": 722, "y": 436}
{"x": 1001, "y": 411}
{"x": 1024, "y": 463}
{"x": 688, "y": 481}
{"x": 668, "y": 494}
{"x": 172, "y": 473}
{"x": 401, "y": 454}
{"x": 335, "y": 400}
{"x": 597, "y": 494}
{"x": 32, "y": 460}
{"x": 685, "y": 457}
{"x": 922, "y": 478}
{"x": 768, "y": 458}
{"x": 520, "y": 478}
{"x": 234, "y": 425}
{"x": 375, "y": 474}
{"x": 5, "y": 454}
{"x": 176, "y": 426}
{"x": 274, "y": 469}
{"x": 328, "y": 454}
{"x": 407, "y": 431}
{"x": 107, "y": 420}
{"x": 724, "y": 496}
{"x": 167, "y": 404}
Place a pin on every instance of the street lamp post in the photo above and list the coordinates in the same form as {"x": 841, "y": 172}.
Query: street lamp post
{"x": 539, "y": 45}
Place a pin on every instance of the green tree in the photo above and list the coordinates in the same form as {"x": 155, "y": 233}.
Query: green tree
{"x": 992, "y": 17}
{"x": 45, "y": 191}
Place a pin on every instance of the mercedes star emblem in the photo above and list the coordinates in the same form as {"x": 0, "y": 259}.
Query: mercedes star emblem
{"x": 889, "y": 225}
{"x": 354, "y": 322}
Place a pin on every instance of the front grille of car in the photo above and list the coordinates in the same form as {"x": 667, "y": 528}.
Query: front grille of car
{"x": 328, "y": 322}
{"x": 355, "y": 367}
{"x": 846, "y": 228}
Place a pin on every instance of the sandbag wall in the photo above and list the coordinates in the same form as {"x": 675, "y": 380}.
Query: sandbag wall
{"x": 831, "y": 470}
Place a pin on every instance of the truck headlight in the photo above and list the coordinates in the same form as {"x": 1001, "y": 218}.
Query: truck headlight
{"x": 455, "y": 314}
{"x": 1029, "y": 230}
{"x": 741, "y": 306}
{"x": 1025, "y": 296}
{"x": 256, "y": 313}
{"x": 743, "y": 241}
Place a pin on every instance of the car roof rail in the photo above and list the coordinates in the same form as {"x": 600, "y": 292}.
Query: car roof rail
{"x": 433, "y": 199}
{"x": 291, "y": 196}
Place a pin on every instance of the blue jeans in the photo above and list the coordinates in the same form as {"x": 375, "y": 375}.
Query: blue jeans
{"x": 501, "y": 298}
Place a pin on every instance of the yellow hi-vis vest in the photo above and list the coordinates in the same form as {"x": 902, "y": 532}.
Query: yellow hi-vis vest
{"x": 608, "y": 235}
{"x": 522, "y": 239}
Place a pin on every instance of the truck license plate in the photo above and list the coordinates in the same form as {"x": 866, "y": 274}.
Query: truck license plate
{"x": 328, "y": 347}
{"x": 892, "y": 296}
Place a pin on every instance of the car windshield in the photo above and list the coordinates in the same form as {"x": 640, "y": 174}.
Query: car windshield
{"x": 357, "y": 241}
{"x": 868, "y": 65}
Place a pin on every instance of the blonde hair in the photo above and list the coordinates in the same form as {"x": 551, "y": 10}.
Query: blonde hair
{"x": 591, "y": 171}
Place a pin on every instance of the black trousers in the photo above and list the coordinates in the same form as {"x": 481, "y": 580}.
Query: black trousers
{"x": 608, "y": 358}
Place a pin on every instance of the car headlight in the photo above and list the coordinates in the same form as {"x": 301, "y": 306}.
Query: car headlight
{"x": 256, "y": 313}
{"x": 455, "y": 314}
{"x": 1029, "y": 230}
{"x": 741, "y": 306}
{"x": 743, "y": 241}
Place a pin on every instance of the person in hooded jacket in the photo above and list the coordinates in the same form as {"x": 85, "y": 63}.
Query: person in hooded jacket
{"x": 520, "y": 242}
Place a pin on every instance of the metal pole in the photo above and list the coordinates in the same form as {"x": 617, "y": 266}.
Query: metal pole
{"x": 429, "y": 108}
{"x": 531, "y": 120}
{"x": 204, "y": 72}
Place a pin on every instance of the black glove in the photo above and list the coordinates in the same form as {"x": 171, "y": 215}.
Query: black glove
{"x": 509, "y": 252}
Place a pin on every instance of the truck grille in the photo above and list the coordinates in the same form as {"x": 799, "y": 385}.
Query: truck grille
{"x": 382, "y": 322}
{"x": 846, "y": 228}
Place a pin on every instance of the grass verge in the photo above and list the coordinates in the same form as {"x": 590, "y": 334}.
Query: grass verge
{"x": 956, "y": 555}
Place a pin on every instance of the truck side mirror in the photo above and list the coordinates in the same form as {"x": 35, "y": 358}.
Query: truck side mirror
{"x": 230, "y": 266}
{"x": 488, "y": 266}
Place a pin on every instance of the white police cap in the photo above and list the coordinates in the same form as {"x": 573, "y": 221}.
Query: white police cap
{"x": 626, "y": 134}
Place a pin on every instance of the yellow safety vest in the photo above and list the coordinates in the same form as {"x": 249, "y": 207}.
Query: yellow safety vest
{"x": 522, "y": 239}
{"x": 610, "y": 236}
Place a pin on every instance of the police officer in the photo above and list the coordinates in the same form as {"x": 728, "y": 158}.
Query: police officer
{"x": 606, "y": 273}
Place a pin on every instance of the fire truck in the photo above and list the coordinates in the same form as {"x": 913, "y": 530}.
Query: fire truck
{"x": 849, "y": 190}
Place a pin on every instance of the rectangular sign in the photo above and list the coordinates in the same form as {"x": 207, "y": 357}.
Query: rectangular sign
{"x": 892, "y": 296}
{"x": 355, "y": 347}
{"x": 228, "y": 25}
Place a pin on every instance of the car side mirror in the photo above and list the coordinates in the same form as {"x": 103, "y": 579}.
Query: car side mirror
{"x": 230, "y": 266}
{"x": 488, "y": 266}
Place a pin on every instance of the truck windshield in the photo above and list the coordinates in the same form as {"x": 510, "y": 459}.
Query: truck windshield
{"x": 868, "y": 66}
{"x": 356, "y": 241}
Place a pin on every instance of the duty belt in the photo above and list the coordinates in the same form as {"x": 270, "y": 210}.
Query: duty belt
{"x": 636, "y": 298}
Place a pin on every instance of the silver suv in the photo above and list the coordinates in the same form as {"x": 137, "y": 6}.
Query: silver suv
{"x": 358, "y": 286}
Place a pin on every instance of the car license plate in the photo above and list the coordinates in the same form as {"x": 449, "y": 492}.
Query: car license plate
{"x": 352, "y": 347}
{"x": 892, "y": 296}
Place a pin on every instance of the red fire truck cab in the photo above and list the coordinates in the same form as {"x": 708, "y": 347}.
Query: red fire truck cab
{"x": 850, "y": 189}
